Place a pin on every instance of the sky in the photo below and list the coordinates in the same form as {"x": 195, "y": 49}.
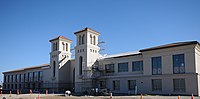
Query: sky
{"x": 26, "y": 26}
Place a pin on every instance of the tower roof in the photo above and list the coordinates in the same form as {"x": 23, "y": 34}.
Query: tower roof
{"x": 87, "y": 29}
{"x": 60, "y": 37}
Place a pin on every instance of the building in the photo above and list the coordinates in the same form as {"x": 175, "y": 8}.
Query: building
{"x": 166, "y": 69}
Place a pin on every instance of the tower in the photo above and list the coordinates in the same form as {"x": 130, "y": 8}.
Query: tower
{"x": 86, "y": 54}
{"x": 59, "y": 56}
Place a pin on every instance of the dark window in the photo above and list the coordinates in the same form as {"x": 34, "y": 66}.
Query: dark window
{"x": 156, "y": 65}
{"x": 56, "y": 46}
{"x": 63, "y": 46}
{"x": 102, "y": 84}
{"x": 4, "y": 86}
{"x": 156, "y": 85}
{"x": 8, "y": 86}
{"x": 33, "y": 76}
{"x": 25, "y": 77}
{"x": 8, "y": 78}
{"x": 131, "y": 84}
{"x": 116, "y": 85}
{"x": 179, "y": 85}
{"x": 94, "y": 40}
{"x": 15, "y": 86}
{"x": 80, "y": 40}
{"x": 80, "y": 64}
{"x": 20, "y": 86}
{"x": 178, "y": 64}
{"x": 20, "y": 77}
{"x": 83, "y": 38}
{"x": 54, "y": 68}
{"x": 66, "y": 47}
{"x": 12, "y": 78}
{"x": 109, "y": 68}
{"x": 90, "y": 39}
{"x": 123, "y": 67}
{"x": 4, "y": 78}
{"x": 16, "y": 78}
{"x": 40, "y": 76}
{"x": 137, "y": 66}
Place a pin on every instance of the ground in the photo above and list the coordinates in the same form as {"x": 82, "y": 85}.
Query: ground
{"x": 61, "y": 96}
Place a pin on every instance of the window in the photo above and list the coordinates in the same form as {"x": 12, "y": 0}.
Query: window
{"x": 131, "y": 84}
{"x": 4, "y": 78}
{"x": 15, "y": 86}
{"x": 79, "y": 39}
{"x": 29, "y": 76}
{"x": 33, "y": 76}
{"x": 4, "y": 86}
{"x": 54, "y": 68}
{"x": 12, "y": 78}
{"x": 40, "y": 75}
{"x": 11, "y": 86}
{"x": 109, "y": 68}
{"x": 80, "y": 64}
{"x": 90, "y": 39}
{"x": 56, "y": 46}
{"x": 116, "y": 85}
{"x": 83, "y": 38}
{"x": 8, "y": 78}
{"x": 20, "y": 78}
{"x": 16, "y": 78}
{"x": 63, "y": 46}
{"x": 178, "y": 64}
{"x": 102, "y": 84}
{"x": 156, "y": 65}
{"x": 137, "y": 66}
{"x": 25, "y": 77}
{"x": 179, "y": 85}
{"x": 123, "y": 67}
{"x": 66, "y": 47}
{"x": 94, "y": 40}
{"x": 36, "y": 76}
{"x": 156, "y": 85}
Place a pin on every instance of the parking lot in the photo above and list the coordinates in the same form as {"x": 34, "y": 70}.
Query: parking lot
{"x": 61, "y": 96}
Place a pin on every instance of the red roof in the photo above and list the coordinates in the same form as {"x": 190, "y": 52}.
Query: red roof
{"x": 87, "y": 29}
{"x": 60, "y": 37}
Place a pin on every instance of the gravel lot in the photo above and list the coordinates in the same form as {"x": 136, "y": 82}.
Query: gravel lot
{"x": 60, "y": 96}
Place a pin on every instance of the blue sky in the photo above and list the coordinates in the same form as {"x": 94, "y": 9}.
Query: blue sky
{"x": 125, "y": 25}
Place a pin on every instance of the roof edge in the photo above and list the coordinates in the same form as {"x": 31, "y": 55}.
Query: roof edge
{"x": 60, "y": 37}
{"x": 27, "y": 68}
{"x": 170, "y": 45}
{"x": 87, "y": 29}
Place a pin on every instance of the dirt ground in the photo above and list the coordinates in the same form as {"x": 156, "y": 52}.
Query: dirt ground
{"x": 61, "y": 96}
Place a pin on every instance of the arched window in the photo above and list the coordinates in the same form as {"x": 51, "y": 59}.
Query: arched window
{"x": 90, "y": 39}
{"x": 94, "y": 40}
{"x": 66, "y": 47}
{"x": 79, "y": 39}
{"x": 63, "y": 46}
{"x": 80, "y": 64}
{"x": 83, "y": 39}
{"x": 54, "y": 68}
{"x": 56, "y": 46}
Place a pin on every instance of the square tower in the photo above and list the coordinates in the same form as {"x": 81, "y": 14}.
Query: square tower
{"x": 86, "y": 54}
{"x": 59, "y": 58}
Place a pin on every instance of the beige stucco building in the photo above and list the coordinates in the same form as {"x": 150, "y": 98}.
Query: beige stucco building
{"x": 166, "y": 69}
